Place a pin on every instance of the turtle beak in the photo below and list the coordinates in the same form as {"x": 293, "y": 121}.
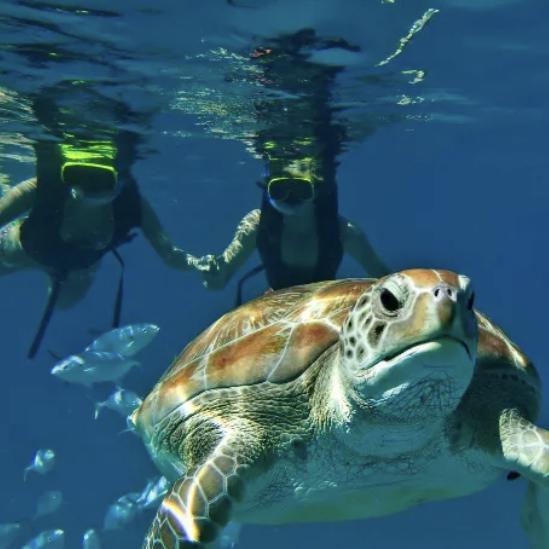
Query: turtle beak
{"x": 453, "y": 306}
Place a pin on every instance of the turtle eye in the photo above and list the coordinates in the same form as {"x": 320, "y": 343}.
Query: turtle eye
{"x": 389, "y": 301}
{"x": 392, "y": 296}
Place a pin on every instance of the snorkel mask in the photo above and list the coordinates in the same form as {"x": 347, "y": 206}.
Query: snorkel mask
{"x": 92, "y": 183}
{"x": 289, "y": 194}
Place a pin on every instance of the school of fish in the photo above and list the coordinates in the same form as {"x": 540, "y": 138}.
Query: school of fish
{"x": 108, "y": 359}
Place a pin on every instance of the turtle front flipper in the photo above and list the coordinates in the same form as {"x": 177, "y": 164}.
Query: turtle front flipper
{"x": 526, "y": 446}
{"x": 198, "y": 505}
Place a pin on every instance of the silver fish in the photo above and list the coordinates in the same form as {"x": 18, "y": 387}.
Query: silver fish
{"x": 121, "y": 512}
{"x": 90, "y": 540}
{"x": 49, "y": 539}
{"x": 127, "y": 341}
{"x": 48, "y": 503}
{"x": 8, "y": 533}
{"x": 153, "y": 493}
{"x": 92, "y": 367}
{"x": 121, "y": 401}
{"x": 43, "y": 462}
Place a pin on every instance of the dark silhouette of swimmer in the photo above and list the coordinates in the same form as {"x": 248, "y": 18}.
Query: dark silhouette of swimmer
{"x": 83, "y": 203}
{"x": 298, "y": 232}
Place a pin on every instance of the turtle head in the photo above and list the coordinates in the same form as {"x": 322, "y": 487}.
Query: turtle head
{"x": 409, "y": 345}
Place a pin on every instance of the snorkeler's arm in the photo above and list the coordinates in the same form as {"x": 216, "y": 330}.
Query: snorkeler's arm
{"x": 17, "y": 200}
{"x": 359, "y": 248}
{"x": 160, "y": 241}
{"x": 218, "y": 270}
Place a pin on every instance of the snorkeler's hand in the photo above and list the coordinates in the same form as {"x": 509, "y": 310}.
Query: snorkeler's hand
{"x": 213, "y": 276}
{"x": 179, "y": 259}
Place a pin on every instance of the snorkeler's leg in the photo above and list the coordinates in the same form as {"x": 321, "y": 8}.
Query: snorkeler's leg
{"x": 12, "y": 254}
{"x": 75, "y": 287}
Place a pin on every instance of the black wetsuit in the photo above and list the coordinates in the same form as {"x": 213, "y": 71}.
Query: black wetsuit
{"x": 41, "y": 231}
{"x": 41, "y": 239}
{"x": 330, "y": 248}
{"x": 297, "y": 129}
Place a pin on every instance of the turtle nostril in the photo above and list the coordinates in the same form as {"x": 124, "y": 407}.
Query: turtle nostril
{"x": 444, "y": 291}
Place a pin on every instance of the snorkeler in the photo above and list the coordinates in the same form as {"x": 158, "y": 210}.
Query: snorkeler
{"x": 83, "y": 203}
{"x": 298, "y": 232}
{"x": 299, "y": 236}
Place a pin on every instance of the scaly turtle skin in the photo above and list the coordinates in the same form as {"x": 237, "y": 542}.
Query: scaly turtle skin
{"x": 341, "y": 400}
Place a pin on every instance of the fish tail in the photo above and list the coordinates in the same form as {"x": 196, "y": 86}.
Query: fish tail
{"x": 129, "y": 429}
{"x": 98, "y": 406}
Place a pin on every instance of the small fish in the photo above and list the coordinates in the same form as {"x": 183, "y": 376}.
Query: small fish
{"x": 92, "y": 367}
{"x": 43, "y": 462}
{"x": 129, "y": 499}
{"x": 90, "y": 540}
{"x": 49, "y": 539}
{"x": 121, "y": 512}
{"x": 121, "y": 401}
{"x": 8, "y": 533}
{"x": 153, "y": 493}
{"x": 127, "y": 341}
{"x": 48, "y": 503}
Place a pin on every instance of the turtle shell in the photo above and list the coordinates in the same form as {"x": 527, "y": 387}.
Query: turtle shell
{"x": 273, "y": 338}
{"x": 276, "y": 337}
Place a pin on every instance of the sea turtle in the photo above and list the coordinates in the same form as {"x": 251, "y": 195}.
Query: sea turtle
{"x": 340, "y": 400}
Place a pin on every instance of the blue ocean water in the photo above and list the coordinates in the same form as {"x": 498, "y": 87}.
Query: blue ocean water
{"x": 449, "y": 172}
